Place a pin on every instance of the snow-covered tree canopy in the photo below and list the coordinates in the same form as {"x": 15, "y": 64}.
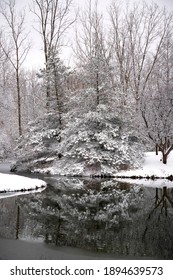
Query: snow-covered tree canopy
{"x": 96, "y": 118}
{"x": 157, "y": 102}
{"x": 95, "y": 144}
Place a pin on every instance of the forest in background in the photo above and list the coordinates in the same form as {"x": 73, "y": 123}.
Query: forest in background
{"x": 102, "y": 113}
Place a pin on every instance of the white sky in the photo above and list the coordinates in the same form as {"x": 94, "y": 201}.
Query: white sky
{"x": 35, "y": 56}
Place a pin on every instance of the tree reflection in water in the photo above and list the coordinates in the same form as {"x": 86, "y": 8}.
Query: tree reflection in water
{"x": 108, "y": 216}
{"x": 159, "y": 223}
{"x": 164, "y": 200}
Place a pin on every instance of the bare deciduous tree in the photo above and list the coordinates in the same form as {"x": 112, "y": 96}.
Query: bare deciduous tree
{"x": 92, "y": 52}
{"x": 137, "y": 34}
{"x": 54, "y": 19}
{"x": 14, "y": 45}
{"x": 156, "y": 104}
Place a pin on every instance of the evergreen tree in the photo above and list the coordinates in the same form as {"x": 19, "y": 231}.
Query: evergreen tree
{"x": 54, "y": 77}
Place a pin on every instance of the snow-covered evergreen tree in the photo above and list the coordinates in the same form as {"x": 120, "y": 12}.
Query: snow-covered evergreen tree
{"x": 98, "y": 143}
{"x": 54, "y": 78}
{"x": 97, "y": 137}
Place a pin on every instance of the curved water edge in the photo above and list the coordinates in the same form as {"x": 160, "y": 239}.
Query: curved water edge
{"x": 15, "y": 183}
{"x": 117, "y": 219}
{"x": 152, "y": 168}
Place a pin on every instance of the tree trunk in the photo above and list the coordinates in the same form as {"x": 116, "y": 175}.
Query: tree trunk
{"x": 156, "y": 149}
{"x": 97, "y": 89}
{"x": 165, "y": 158}
{"x": 165, "y": 152}
{"x": 18, "y": 222}
{"x": 19, "y": 102}
{"x": 57, "y": 96}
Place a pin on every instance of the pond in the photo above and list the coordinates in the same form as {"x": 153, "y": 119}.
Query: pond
{"x": 88, "y": 219}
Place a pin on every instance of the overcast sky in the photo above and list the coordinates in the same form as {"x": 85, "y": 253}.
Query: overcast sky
{"x": 35, "y": 57}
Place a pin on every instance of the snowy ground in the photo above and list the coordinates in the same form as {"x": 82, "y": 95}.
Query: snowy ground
{"x": 11, "y": 183}
{"x": 152, "y": 166}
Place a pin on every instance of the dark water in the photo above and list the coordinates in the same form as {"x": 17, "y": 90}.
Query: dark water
{"x": 117, "y": 219}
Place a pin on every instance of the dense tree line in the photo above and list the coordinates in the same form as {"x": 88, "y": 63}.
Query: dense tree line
{"x": 122, "y": 69}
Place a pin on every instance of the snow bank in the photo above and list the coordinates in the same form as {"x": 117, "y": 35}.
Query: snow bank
{"x": 152, "y": 167}
{"x": 9, "y": 183}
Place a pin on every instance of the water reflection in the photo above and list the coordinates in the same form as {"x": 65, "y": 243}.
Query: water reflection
{"x": 108, "y": 216}
{"x": 159, "y": 226}
{"x": 166, "y": 197}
